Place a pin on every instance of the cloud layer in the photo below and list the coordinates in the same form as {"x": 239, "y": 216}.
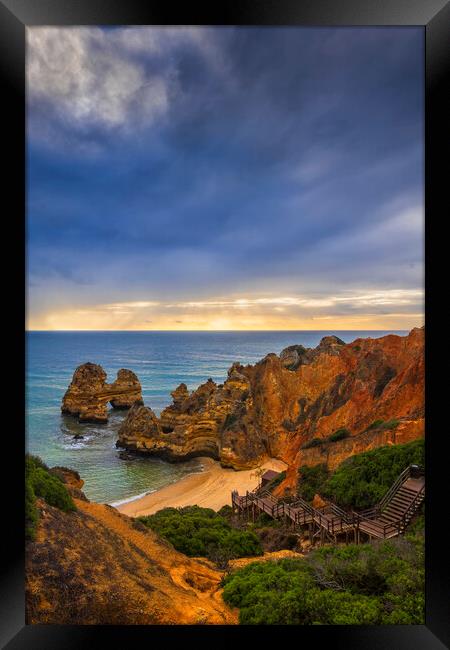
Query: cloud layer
{"x": 175, "y": 171}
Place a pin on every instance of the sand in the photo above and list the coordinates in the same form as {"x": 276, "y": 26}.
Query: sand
{"x": 208, "y": 489}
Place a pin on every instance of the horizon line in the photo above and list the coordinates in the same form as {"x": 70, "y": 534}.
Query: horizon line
{"x": 227, "y": 330}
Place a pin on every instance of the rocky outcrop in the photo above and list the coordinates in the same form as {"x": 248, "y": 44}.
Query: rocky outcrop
{"x": 72, "y": 481}
{"x": 97, "y": 566}
{"x": 288, "y": 406}
{"x": 88, "y": 394}
{"x": 195, "y": 424}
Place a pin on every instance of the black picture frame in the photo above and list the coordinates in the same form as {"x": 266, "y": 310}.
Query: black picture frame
{"x": 434, "y": 17}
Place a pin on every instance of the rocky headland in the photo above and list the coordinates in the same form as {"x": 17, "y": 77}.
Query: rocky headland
{"x": 363, "y": 394}
{"x": 88, "y": 394}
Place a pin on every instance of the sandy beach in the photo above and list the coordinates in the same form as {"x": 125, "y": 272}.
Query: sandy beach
{"x": 209, "y": 489}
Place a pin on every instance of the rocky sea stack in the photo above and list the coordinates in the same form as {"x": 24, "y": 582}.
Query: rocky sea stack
{"x": 88, "y": 394}
{"x": 305, "y": 406}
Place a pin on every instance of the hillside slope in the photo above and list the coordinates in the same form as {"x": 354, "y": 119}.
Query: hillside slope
{"x": 97, "y": 566}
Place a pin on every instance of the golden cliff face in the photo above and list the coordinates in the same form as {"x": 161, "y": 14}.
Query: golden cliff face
{"x": 97, "y": 566}
{"x": 195, "y": 424}
{"x": 348, "y": 386}
{"x": 88, "y": 394}
{"x": 280, "y": 404}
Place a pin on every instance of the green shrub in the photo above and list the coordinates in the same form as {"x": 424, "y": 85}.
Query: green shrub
{"x": 31, "y": 512}
{"x": 382, "y": 425}
{"x": 375, "y": 425}
{"x": 380, "y": 583}
{"x": 52, "y": 490}
{"x": 314, "y": 442}
{"x": 226, "y": 512}
{"x": 265, "y": 520}
{"x": 40, "y": 483}
{"x": 362, "y": 480}
{"x": 390, "y": 424}
{"x": 311, "y": 480}
{"x": 418, "y": 522}
{"x": 199, "y": 531}
{"x": 339, "y": 434}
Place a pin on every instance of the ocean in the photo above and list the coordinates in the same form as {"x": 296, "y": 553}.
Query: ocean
{"x": 161, "y": 360}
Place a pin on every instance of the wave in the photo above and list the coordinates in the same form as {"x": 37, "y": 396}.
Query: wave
{"x": 133, "y": 498}
{"x": 143, "y": 494}
{"x": 75, "y": 445}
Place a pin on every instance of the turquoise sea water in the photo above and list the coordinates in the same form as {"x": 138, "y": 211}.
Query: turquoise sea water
{"x": 162, "y": 360}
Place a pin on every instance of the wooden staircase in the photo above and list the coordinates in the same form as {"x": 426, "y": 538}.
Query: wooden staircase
{"x": 394, "y": 512}
{"x": 387, "y": 519}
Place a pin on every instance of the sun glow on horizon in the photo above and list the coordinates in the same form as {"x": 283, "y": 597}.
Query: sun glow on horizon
{"x": 392, "y": 309}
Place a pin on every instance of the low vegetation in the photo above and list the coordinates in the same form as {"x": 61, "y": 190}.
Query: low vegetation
{"x": 362, "y": 480}
{"x": 314, "y": 442}
{"x": 39, "y": 482}
{"x": 339, "y": 434}
{"x": 369, "y": 584}
{"x": 382, "y": 425}
{"x": 203, "y": 532}
{"x": 311, "y": 480}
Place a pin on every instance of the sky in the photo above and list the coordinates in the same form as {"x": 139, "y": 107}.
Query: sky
{"x": 194, "y": 178}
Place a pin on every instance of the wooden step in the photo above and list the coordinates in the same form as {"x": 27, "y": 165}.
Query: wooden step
{"x": 406, "y": 492}
{"x": 404, "y": 506}
{"x": 391, "y": 521}
{"x": 399, "y": 506}
{"x": 396, "y": 508}
{"x": 404, "y": 497}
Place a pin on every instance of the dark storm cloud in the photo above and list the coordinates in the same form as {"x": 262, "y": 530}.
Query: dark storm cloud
{"x": 213, "y": 161}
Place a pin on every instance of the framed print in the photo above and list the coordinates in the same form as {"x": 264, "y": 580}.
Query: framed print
{"x": 228, "y": 268}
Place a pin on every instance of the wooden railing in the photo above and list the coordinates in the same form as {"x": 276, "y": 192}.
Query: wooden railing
{"x": 412, "y": 471}
{"x": 332, "y": 518}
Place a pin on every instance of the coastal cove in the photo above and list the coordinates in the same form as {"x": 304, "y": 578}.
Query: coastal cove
{"x": 208, "y": 489}
{"x": 162, "y": 360}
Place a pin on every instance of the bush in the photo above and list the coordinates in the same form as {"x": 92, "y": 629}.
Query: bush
{"x": 382, "y": 425}
{"x": 375, "y": 424}
{"x": 226, "y": 512}
{"x": 311, "y": 480}
{"x": 339, "y": 434}
{"x": 390, "y": 424}
{"x": 52, "y": 490}
{"x": 199, "y": 531}
{"x": 40, "y": 483}
{"x": 31, "y": 512}
{"x": 314, "y": 442}
{"x": 277, "y": 538}
{"x": 380, "y": 583}
{"x": 362, "y": 480}
{"x": 265, "y": 520}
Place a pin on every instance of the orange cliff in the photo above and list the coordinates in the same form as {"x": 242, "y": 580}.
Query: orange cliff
{"x": 275, "y": 407}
